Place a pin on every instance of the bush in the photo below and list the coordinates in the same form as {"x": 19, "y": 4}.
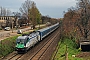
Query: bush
{"x": 71, "y": 50}
{"x": 0, "y": 28}
{"x": 7, "y": 46}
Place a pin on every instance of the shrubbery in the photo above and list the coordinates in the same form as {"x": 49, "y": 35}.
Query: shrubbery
{"x": 7, "y": 46}
{"x": 0, "y": 28}
{"x": 69, "y": 46}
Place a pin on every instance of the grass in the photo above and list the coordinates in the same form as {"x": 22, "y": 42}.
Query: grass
{"x": 71, "y": 50}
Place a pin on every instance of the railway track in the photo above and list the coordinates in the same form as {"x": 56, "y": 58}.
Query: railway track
{"x": 43, "y": 49}
{"x": 38, "y": 51}
{"x": 58, "y": 46}
{"x": 14, "y": 56}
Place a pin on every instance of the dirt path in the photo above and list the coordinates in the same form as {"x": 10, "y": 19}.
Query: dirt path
{"x": 85, "y": 55}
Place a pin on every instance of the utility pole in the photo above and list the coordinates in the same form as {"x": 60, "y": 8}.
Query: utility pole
{"x": 12, "y": 19}
{"x": 66, "y": 53}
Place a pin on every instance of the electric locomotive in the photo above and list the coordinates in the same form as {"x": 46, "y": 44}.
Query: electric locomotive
{"x": 23, "y": 43}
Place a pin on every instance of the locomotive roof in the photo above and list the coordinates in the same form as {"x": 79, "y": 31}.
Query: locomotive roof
{"x": 22, "y": 37}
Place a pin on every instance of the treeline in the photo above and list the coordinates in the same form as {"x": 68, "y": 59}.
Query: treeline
{"x": 32, "y": 15}
{"x": 28, "y": 15}
{"x": 30, "y": 12}
{"x": 76, "y": 22}
{"x": 5, "y": 12}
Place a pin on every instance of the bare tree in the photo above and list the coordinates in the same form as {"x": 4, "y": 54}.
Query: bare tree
{"x": 79, "y": 18}
{"x": 83, "y": 22}
{"x": 16, "y": 17}
{"x": 68, "y": 22}
{"x": 9, "y": 13}
{"x": 25, "y": 9}
{"x": 4, "y": 12}
{"x": 30, "y": 11}
{"x": 0, "y": 11}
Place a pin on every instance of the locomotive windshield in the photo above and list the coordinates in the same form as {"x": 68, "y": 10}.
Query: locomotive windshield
{"x": 20, "y": 41}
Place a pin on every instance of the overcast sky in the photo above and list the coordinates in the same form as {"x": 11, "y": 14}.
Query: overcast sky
{"x": 53, "y": 8}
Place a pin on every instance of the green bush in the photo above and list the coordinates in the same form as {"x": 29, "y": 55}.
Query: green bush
{"x": 71, "y": 50}
{"x": 7, "y": 46}
{"x": 0, "y": 28}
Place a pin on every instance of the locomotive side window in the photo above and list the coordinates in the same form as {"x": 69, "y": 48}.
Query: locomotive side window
{"x": 27, "y": 40}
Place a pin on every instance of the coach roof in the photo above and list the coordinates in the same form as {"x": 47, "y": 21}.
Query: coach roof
{"x": 44, "y": 29}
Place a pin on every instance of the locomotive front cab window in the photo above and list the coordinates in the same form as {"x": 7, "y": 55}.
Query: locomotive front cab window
{"x": 20, "y": 41}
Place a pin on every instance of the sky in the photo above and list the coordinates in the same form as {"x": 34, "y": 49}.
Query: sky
{"x": 51, "y": 8}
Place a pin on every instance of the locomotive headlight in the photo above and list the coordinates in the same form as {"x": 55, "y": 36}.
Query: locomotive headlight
{"x": 24, "y": 46}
